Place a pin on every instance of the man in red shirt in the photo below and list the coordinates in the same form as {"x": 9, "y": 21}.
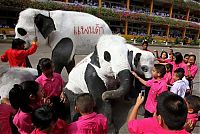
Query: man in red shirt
{"x": 16, "y": 56}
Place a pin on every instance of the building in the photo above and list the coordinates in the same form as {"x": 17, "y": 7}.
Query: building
{"x": 164, "y": 20}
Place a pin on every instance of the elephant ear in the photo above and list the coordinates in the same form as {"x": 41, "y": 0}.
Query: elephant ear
{"x": 44, "y": 24}
{"x": 137, "y": 59}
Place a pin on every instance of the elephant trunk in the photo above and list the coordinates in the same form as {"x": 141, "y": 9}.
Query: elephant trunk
{"x": 125, "y": 84}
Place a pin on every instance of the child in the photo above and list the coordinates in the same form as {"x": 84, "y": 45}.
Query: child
{"x": 52, "y": 83}
{"x": 46, "y": 122}
{"x": 25, "y": 98}
{"x": 16, "y": 56}
{"x": 186, "y": 57}
{"x": 168, "y": 75}
{"x": 90, "y": 122}
{"x": 163, "y": 57}
{"x": 192, "y": 69}
{"x": 193, "y": 104}
{"x": 169, "y": 119}
{"x": 157, "y": 85}
{"x": 145, "y": 46}
{"x": 178, "y": 63}
{"x": 179, "y": 86}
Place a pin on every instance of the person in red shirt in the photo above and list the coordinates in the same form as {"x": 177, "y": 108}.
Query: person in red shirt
{"x": 16, "y": 56}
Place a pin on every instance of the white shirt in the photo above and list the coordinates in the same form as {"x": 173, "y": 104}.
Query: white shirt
{"x": 179, "y": 87}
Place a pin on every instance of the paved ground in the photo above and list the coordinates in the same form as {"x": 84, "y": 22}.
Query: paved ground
{"x": 44, "y": 51}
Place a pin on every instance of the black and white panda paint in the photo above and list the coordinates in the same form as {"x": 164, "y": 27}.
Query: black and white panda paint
{"x": 66, "y": 32}
{"x": 93, "y": 73}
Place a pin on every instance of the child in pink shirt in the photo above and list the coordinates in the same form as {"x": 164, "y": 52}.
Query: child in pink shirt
{"x": 168, "y": 75}
{"x": 46, "y": 121}
{"x": 90, "y": 122}
{"x": 193, "y": 104}
{"x": 157, "y": 85}
{"x": 25, "y": 98}
{"x": 169, "y": 119}
{"x": 52, "y": 83}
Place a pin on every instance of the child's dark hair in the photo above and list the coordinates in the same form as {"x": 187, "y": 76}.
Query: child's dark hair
{"x": 17, "y": 42}
{"x": 173, "y": 109}
{"x": 160, "y": 69}
{"x": 179, "y": 72}
{"x": 43, "y": 117}
{"x": 192, "y": 55}
{"x": 179, "y": 57}
{"x": 44, "y": 64}
{"x": 165, "y": 53}
{"x": 85, "y": 103}
{"x": 145, "y": 42}
{"x": 169, "y": 67}
{"x": 186, "y": 55}
{"x": 193, "y": 102}
{"x": 19, "y": 95}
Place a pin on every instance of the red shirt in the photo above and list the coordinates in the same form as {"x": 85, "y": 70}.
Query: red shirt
{"x": 150, "y": 126}
{"x": 89, "y": 124}
{"x": 5, "y": 112}
{"x": 17, "y": 58}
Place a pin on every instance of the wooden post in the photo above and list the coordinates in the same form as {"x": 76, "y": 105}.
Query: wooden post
{"x": 149, "y": 29}
{"x": 188, "y": 14}
{"x": 184, "y": 31}
{"x": 100, "y": 4}
{"x": 171, "y": 9}
{"x": 127, "y": 4}
{"x": 66, "y": 1}
{"x": 151, "y": 7}
{"x": 126, "y": 28}
{"x": 198, "y": 34}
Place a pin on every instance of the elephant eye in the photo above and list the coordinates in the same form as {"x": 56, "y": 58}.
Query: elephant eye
{"x": 21, "y": 31}
{"x": 107, "y": 56}
{"x": 144, "y": 68}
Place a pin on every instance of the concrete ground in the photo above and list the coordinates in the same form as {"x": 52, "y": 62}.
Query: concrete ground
{"x": 45, "y": 51}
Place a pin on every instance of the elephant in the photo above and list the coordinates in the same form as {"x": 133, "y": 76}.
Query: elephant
{"x": 92, "y": 74}
{"x": 16, "y": 75}
{"x": 66, "y": 32}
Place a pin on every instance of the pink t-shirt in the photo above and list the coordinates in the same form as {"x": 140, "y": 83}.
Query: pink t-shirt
{"x": 59, "y": 128}
{"x": 156, "y": 88}
{"x": 89, "y": 124}
{"x": 23, "y": 122}
{"x": 5, "y": 112}
{"x": 168, "y": 77}
{"x": 150, "y": 126}
{"x": 193, "y": 70}
{"x": 51, "y": 87}
{"x": 193, "y": 118}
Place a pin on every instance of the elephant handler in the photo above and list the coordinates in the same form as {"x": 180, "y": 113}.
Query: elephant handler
{"x": 17, "y": 55}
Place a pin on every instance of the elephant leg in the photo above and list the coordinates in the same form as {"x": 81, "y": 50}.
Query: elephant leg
{"x": 71, "y": 103}
{"x": 97, "y": 87}
{"x": 70, "y": 65}
{"x": 61, "y": 54}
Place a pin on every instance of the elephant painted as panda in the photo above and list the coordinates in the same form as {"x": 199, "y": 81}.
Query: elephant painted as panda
{"x": 93, "y": 73}
{"x": 16, "y": 75}
{"x": 66, "y": 32}
{"x": 111, "y": 60}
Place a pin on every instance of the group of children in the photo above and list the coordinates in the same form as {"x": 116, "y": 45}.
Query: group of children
{"x": 39, "y": 107}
